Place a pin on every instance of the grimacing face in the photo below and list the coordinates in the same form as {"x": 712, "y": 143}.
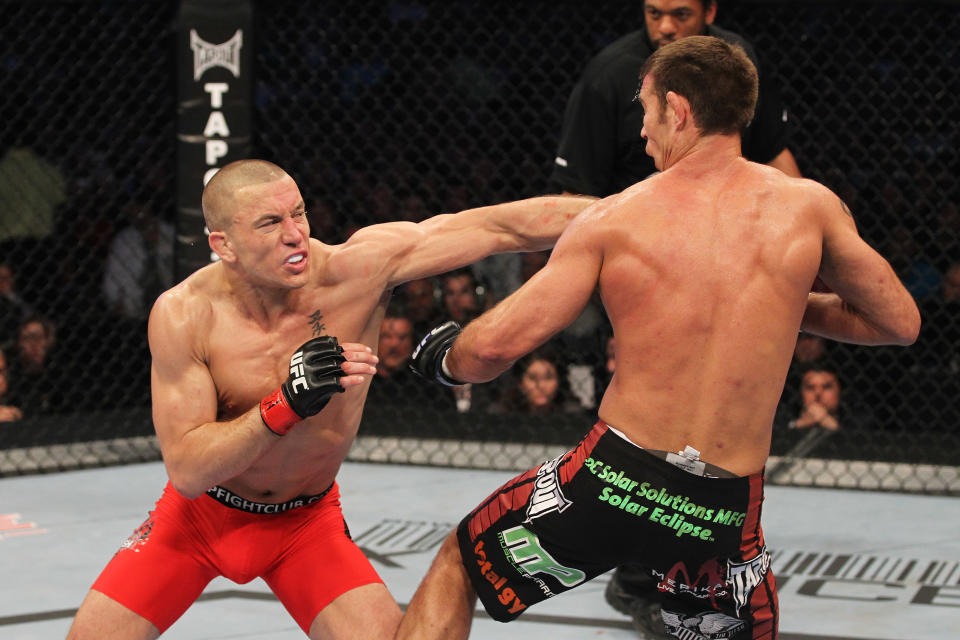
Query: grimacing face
{"x": 670, "y": 20}
{"x": 270, "y": 235}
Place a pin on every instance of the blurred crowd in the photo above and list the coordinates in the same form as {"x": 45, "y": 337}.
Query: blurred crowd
{"x": 79, "y": 310}
{"x": 87, "y": 233}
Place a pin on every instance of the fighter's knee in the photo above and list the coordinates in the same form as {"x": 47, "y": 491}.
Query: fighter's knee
{"x": 101, "y": 617}
{"x": 450, "y": 549}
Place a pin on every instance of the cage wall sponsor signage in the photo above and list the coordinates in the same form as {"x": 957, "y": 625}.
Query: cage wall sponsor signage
{"x": 214, "y": 111}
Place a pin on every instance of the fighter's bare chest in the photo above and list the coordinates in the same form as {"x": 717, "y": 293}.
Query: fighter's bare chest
{"x": 247, "y": 360}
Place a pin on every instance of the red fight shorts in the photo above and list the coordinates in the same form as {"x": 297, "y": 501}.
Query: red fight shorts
{"x": 303, "y": 552}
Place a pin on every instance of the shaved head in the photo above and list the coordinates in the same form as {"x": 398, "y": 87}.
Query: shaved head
{"x": 220, "y": 195}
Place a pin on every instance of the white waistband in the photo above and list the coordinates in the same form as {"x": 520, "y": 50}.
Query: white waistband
{"x": 623, "y": 435}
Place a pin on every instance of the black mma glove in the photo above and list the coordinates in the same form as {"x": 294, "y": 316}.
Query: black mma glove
{"x": 427, "y": 358}
{"x": 314, "y": 377}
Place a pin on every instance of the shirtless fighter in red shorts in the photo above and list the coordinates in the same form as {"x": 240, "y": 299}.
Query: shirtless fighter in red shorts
{"x": 252, "y": 438}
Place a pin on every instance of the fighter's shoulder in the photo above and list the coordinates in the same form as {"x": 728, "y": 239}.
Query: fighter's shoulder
{"x": 189, "y": 305}
{"x": 655, "y": 183}
{"x": 762, "y": 176}
{"x": 813, "y": 192}
{"x": 805, "y": 196}
{"x": 608, "y": 215}
{"x": 381, "y": 239}
{"x": 371, "y": 246}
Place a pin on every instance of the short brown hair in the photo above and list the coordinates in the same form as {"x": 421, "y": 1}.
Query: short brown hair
{"x": 715, "y": 76}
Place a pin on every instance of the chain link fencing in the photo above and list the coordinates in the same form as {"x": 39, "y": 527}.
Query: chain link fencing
{"x": 397, "y": 111}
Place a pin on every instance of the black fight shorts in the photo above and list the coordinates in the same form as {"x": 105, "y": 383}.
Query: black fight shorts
{"x": 609, "y": 502}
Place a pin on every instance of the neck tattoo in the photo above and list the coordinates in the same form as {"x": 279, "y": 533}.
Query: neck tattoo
{"x": 315, "y": 321}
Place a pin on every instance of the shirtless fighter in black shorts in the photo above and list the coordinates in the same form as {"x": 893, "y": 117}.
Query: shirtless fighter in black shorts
{"x": 705, "y": 271}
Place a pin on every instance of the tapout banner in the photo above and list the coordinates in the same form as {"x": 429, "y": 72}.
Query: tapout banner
{"x": 214, "y": 110}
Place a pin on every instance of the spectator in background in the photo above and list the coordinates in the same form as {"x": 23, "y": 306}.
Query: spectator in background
{"x": 419, "y": 299}
{"x": 814, "y": 413}
{"x": 13, "y": 309}
{"x": 8, "y": 412}
{"x": 539, "y": 388}
{"x": 395, "y": 345}
{"x": 464, "y": 298}
{"x": 33, "y": 379}
{"x": 820, "y": 396}
{"x": 810, "y": 350}
{"x": 393, "y": 384}
{"x": 139, "y": 263}
{"x": 821, "y": 400}
{"x": 579, "y": 341}
{"x": 601, "y": 151}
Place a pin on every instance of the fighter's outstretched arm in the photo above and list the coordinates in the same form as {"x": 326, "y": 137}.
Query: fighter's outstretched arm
{"x": 448, "y": 241}
{"x": 198, "y": 450}
{"x": 545, "y": 304}
{"x": 870, "y": 305}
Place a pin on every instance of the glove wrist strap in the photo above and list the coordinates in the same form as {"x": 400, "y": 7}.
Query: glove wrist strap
{"x": 443, "y": 373}
{"x": 276, "y": 413}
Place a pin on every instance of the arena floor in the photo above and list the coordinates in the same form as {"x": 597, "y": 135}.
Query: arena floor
{"x": 850, "y": 564}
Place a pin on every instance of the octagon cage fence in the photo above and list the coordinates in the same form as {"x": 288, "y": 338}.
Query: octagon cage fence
{"x": 399, "y": 110}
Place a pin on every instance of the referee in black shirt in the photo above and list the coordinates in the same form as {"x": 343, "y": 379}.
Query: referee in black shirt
{"x": 601, "y": 151}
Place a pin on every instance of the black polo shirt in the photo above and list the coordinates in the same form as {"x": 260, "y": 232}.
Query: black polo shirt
{"x": 601, "y": 151}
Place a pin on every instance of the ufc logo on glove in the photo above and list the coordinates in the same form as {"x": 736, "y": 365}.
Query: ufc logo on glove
{"x": 296, "y": 372}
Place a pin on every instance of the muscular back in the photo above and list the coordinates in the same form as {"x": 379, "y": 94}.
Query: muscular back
{"x": 705, "y": 280}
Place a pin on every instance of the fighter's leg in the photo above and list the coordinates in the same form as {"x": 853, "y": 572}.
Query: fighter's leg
{"x": 326, "y": 582}
{"x": 443, "y": 605}
{"x": 102, "y": 618}
{"x": 154, "y": 577}
{"x": 364, "y": 613}
{"x": 139, "y": 595}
